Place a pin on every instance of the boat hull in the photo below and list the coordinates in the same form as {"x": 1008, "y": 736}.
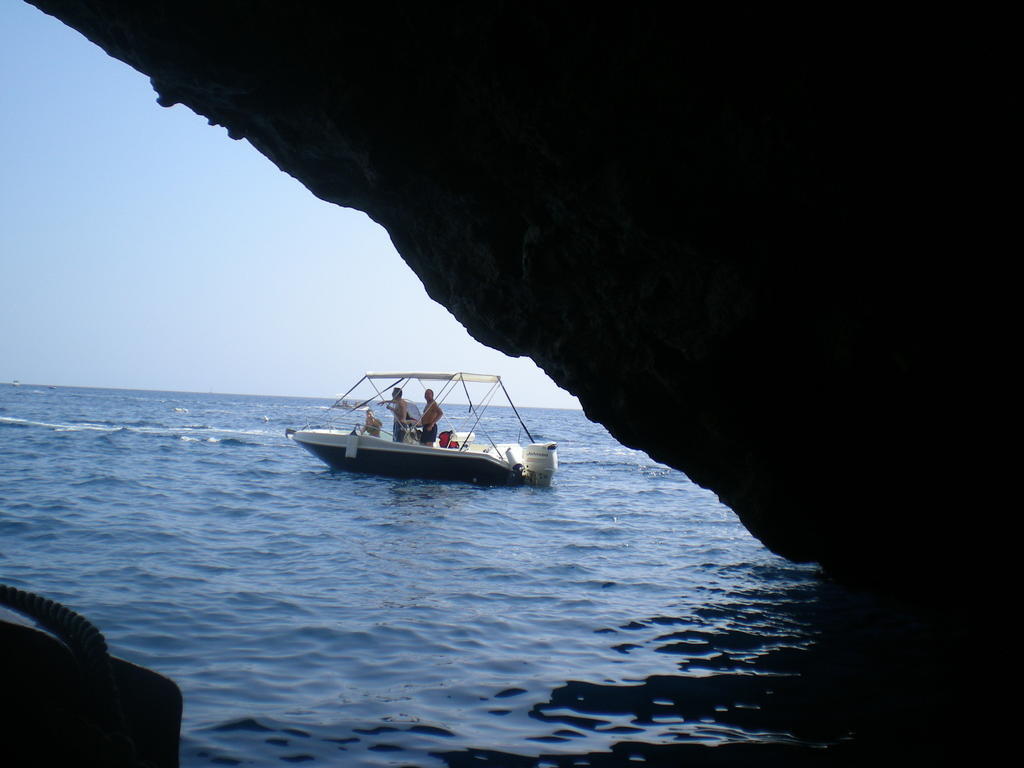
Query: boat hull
{"x": 371, "y": 455}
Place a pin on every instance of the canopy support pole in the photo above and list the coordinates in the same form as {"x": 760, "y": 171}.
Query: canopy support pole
{"x": 521, "y": 423}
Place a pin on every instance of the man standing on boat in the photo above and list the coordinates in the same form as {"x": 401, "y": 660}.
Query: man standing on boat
{"x": 431, "y": 416}
{"x": 406, "y": 414}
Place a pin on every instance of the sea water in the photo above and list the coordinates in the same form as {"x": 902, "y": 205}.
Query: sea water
{"x": 622, "y": 616}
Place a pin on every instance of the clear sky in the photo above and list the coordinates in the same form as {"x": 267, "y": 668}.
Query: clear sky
{"x": 142, "y": 248}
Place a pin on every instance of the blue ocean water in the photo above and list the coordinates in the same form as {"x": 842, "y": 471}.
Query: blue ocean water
{"x": 621, "y": 617}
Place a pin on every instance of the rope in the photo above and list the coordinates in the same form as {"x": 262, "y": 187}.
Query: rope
{"x": 89, "y": 648}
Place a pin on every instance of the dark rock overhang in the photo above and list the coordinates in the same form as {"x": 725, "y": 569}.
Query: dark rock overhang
{"x": 715, "y": 233}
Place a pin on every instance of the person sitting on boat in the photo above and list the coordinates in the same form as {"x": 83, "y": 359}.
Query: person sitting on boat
{"x": 428, "y": 421}
{"x": 406, "y": 414}
{"x": 372, "y": 424}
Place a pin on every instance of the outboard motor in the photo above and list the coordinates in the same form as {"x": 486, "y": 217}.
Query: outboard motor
{"x": 541, "y": 460}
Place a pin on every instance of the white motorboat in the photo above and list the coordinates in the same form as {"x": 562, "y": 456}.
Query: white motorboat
{"x": 463, "y": 449}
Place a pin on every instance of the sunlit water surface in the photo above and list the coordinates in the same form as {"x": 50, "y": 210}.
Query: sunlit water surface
{"x": 622, "y": 616}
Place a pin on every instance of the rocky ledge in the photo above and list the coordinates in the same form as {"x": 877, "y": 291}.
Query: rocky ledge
{"x": 716, "y": 232}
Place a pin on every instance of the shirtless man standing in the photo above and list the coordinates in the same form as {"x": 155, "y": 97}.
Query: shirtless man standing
{"x": 400, "y": 408}
{"x": 431, "y": 415}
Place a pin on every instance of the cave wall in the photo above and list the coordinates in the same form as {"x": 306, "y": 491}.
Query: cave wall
{"x": 708, "y": 229}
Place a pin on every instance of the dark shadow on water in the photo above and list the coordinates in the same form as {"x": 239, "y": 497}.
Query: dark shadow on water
{"x": 818, "y": 675}
{"x": 799, "y": 672}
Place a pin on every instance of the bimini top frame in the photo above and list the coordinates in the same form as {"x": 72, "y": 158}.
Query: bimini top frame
{"x": 476, "y": 378}
{"x": 449, "y": 379}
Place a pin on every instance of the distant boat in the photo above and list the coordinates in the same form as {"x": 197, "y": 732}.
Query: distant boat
{"x": 363, "y": 446}
{"x": 15, "y": 383}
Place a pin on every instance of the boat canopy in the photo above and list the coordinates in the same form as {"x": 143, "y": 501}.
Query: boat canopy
{"x": 450, "y": 379}
{"x": 480, "y": 378}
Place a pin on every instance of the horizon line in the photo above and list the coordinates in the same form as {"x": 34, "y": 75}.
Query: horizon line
{"x": 19, "y": 383}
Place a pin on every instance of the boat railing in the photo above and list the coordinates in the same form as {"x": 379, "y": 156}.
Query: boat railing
{"x": 457, "y": 440}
